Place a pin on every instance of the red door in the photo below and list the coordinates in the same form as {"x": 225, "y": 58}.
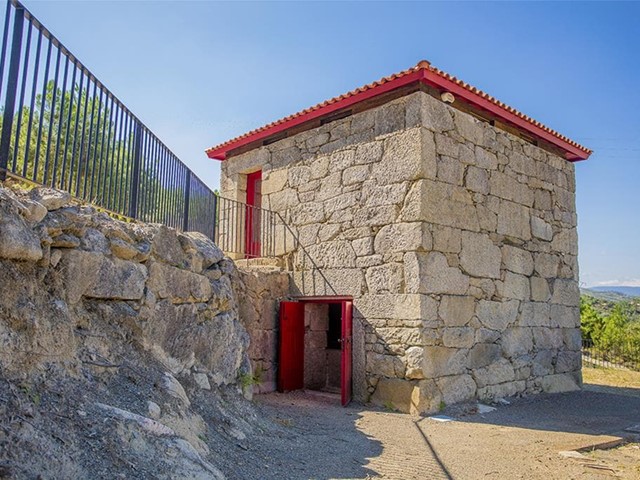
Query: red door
{"x": 345, "y": 356}
{"x": 291, "y": 350}
{"x": 253, "y": 217}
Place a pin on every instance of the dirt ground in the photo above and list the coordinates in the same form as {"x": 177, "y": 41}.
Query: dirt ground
{"x": 530, "y": 438}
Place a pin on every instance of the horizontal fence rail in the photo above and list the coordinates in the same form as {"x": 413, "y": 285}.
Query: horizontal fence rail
{"x": 245, "y": 230}
{"x": 625, "y": 355}
{"x": 61, "y": 127}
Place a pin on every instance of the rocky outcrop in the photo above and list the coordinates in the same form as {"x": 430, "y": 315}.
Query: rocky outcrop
{"x": 119, "y": 344}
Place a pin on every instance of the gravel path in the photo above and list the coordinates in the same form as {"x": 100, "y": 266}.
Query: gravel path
{"x": 315, "y": 438}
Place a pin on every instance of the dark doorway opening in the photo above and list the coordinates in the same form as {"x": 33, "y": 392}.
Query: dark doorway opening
{"x": 315, "y": 345}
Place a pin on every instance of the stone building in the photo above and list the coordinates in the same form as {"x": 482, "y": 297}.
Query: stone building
{"x": 446, "y": 216}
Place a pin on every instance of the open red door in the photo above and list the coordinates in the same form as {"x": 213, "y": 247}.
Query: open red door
{"x": 253, "y": 219}
{"x": 345, "y": 358}
{"x": 291, "y": 349}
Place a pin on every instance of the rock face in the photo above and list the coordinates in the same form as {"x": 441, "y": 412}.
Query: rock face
{"x": 456, "y": 239}
{"x": 137, "y": 327}
{"x": 172, "y": 290}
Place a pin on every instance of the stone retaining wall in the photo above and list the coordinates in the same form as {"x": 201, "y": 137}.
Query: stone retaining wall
{"x": 65, "y": 267}
{"x": 456, "y": 239}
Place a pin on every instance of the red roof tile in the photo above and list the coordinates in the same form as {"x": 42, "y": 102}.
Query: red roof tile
{"x": 424, "y": 73}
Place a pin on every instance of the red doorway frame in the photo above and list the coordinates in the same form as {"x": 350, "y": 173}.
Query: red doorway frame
{"x": 252, "y": 241}
{"x": 291, "y": 346}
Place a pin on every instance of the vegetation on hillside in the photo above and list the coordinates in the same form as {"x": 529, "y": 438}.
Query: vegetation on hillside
{"x": 611, "y": 325}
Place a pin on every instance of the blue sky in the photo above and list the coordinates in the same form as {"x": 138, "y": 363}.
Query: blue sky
{"x": 199, "y": 73}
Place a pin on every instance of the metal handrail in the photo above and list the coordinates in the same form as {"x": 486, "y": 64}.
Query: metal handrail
{"x": 315, "y": 266}
{"x": 232, "y": 235}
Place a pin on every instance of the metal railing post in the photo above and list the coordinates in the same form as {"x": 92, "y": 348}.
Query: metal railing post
{"x": 216, "y": 217}
{"x": 12, "y": 87}
{"x": 187, "y": 195}
{"x": 135, "y": 179}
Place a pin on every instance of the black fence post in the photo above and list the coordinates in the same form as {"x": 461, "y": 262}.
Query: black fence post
{"x": 12, "y": 87}
{"x": 187, "y": 196}
{"x": 135, "y": 179}
{"x": 216, "y": 218}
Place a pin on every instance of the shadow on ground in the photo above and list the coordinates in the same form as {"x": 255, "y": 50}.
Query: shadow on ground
{"x": 316, "y": 438}
{"x": 593, "y": 411}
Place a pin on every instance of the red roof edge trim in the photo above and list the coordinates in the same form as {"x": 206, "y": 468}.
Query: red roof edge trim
{"x": 424, "y": 73}
{"x": 220, "y": 152}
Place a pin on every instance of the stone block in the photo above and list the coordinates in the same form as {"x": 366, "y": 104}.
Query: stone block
{"x": 388, "y": 366}
{"x": 333, "y": 254}
{"x": 414, "y": 360}
{"x": 166, "y": 246}
{"x": 92, "y": 275}
{"x": 450, "y": 170}
{"x": 405, "y": 158}
{"x": 442, "y": 361}
{"x": 402, "y": 237}
{"x": 17, "y": 240}
{"x": 441, "y": 204}
{"x": 386, "y": 278}
{"x": 546, "y": 265}
{"x": 539, "y": 289}
{"x": 514, "y": 286}
{"x": 495, "y": 392}
{"x": 400, "y": 307}
{"x": 446, "y": 239}
{"x": 541, "y": 229}
{"x": 479, "y": 256}
{"x": 430, "y": 273}
{"x": 389, "y": 118}
{"x": 568, "y": 361}
{"x": 306, "y": 213}
{"x": 468, "y": 127}
{"x": 367, "y": 153}
{"x": 483, "y": 354}
{"x": 394, "y": 392}
{"x": 546, "y": 338}
{"x": 565, "y": 292}
{"x": 458, "y": 337}
{"x": 355, "y": 174}
{"x": 497, "y": 315}
{"x": 274, "y": 181}
{"x": 542, "y": 363}
{"x": 516, "y": 341}
{"x": 508, "y": 188}
{"x": 378, "y": 215}
{"x": 535, "y": 314}
{"x": 435, "y": 115}
{"x": 517, "y": 260}
{"x": 565, "y": 241}
{"x": 572, "y": 338}
{"x": 180, "y": 286}
{"x": 477, "y": 180}
{"x": 456, "y": 311}
{"x": 392, "y": 194}
{"x": 514, "y": 220}
{"x": 494, "y": 373}
{"x": 565, "y": 316}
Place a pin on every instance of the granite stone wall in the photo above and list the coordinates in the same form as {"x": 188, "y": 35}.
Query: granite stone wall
{"x": 456, "y": 239}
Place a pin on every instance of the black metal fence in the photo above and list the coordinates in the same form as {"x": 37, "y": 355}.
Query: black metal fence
{"x": 61, "y": 127}
{"x": 247, "y": 231}
{"x": 623, "y": 355}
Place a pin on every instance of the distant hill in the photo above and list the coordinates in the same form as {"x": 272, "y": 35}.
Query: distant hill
{"x": 628, "y": 291}
{"x": 605, "y": 296}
